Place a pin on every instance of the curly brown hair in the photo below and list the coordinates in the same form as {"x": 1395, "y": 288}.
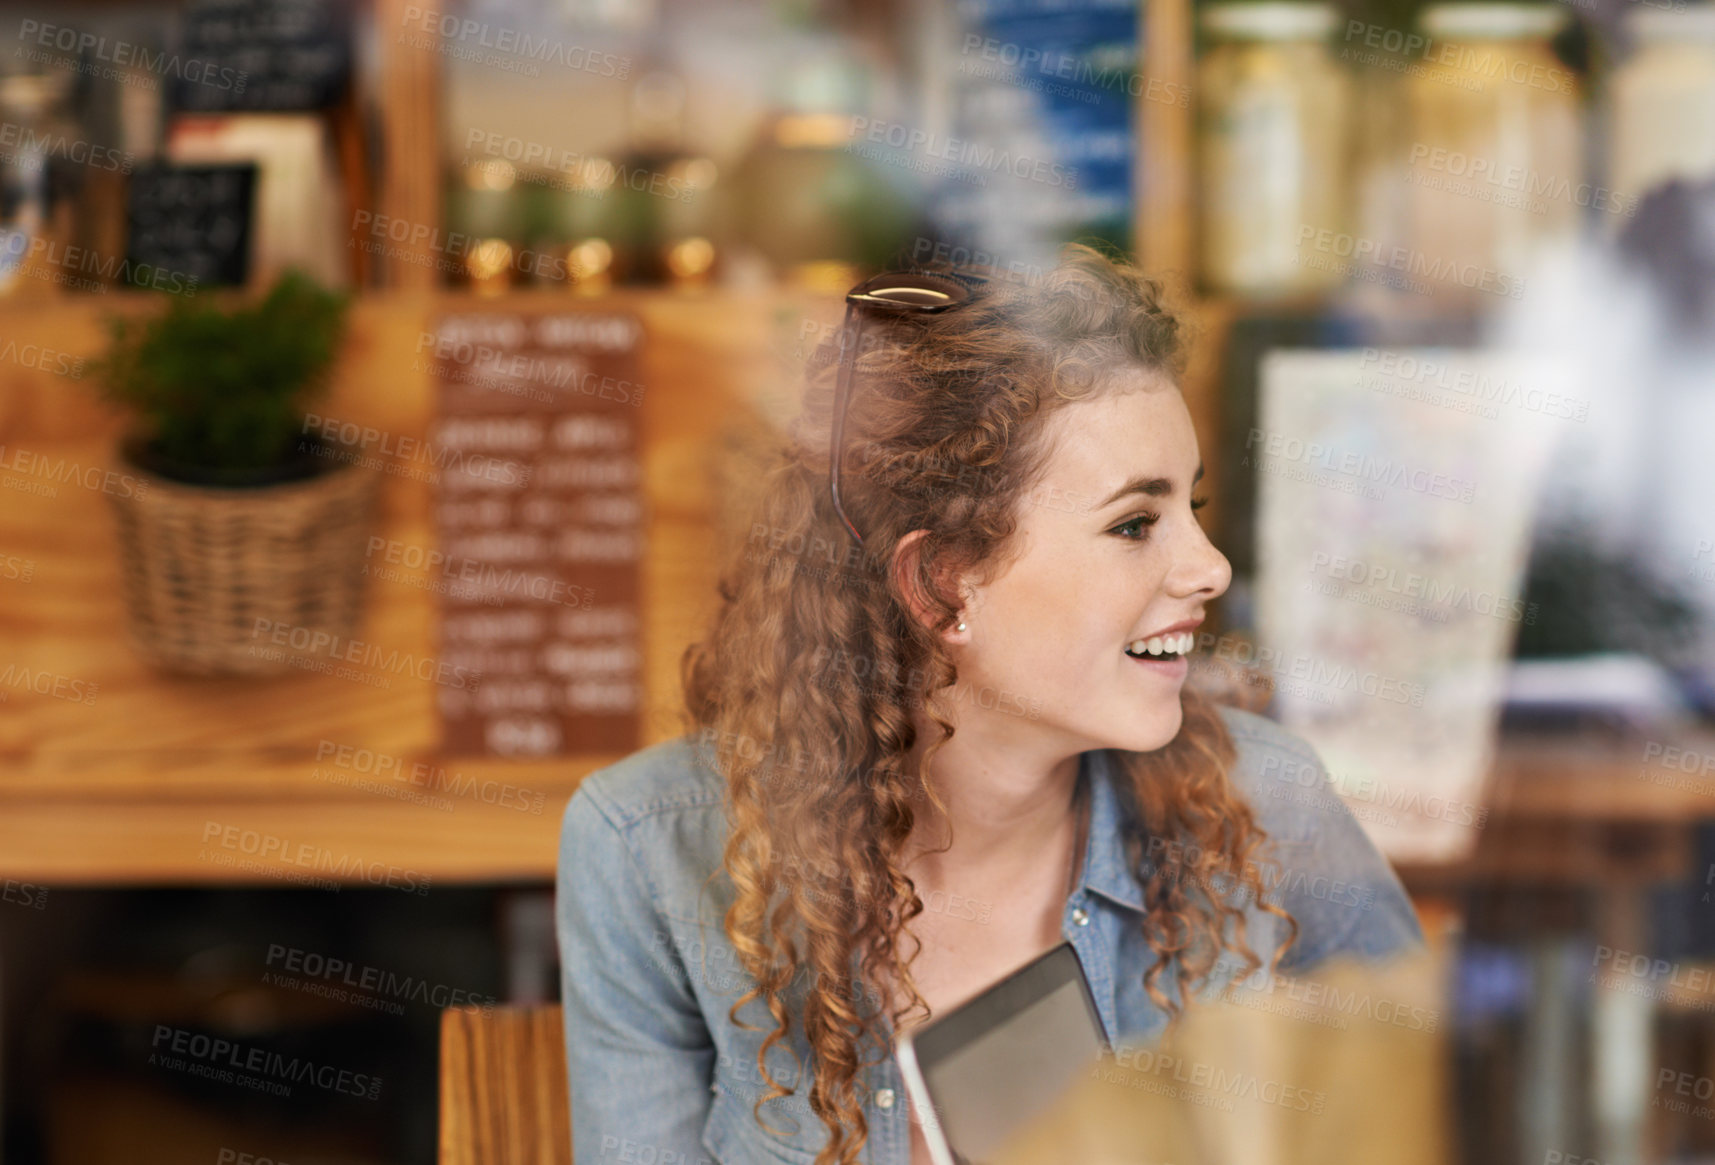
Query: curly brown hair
{"x": 944, "y": 434}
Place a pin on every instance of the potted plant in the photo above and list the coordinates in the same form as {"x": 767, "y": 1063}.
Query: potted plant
{"x": 247, "y": 524}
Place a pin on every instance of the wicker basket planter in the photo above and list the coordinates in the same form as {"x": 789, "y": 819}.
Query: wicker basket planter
{"x": 213, "y": 571}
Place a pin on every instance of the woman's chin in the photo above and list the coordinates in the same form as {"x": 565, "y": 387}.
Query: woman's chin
{"x": 1147, "y": 732}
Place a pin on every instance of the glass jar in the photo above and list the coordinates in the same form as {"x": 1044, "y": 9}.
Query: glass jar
{"x": 1663, "y": 112}
{"x": 32, "y": 105}
{"x": 1273, "y": 146}
{"x": 1494, "y": 163}
{"x": 483, "y": 208}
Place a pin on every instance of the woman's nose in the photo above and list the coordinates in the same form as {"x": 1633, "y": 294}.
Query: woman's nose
{"x": 1200, "y": 569}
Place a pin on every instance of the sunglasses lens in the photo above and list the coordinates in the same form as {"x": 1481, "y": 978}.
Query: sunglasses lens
{"x": 920, "y": 291}
{"x": 912, "y": 296}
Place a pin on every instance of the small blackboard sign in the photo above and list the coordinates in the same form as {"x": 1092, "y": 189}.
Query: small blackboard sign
{"x": 263, "y": 56}
{"x": 190, "y": 226}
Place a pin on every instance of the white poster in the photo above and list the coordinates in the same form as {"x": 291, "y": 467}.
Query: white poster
{"x": 1396, "y": 494}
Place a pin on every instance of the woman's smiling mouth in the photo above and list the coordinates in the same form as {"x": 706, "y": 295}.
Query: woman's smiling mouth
{"x": 1166, "y": 652}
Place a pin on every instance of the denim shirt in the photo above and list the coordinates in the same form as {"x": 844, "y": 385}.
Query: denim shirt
{"x": 660, "y": 1076}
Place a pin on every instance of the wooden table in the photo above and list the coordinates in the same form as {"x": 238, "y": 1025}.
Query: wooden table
{"x": 1611, "y": 816}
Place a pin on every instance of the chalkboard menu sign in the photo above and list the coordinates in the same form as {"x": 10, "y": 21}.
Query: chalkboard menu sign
{"x": 539, "y": 511}
{"x": 189, "y": 226}
{"x": 274, "y": 56}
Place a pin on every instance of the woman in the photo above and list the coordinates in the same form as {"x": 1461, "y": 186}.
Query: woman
{"x": 941, "y": 726}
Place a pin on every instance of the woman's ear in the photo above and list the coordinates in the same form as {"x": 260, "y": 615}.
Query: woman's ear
{"x": 906, "y": 569}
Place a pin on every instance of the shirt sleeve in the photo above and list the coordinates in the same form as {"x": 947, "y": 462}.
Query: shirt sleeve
{"x": 638, "y": 1053}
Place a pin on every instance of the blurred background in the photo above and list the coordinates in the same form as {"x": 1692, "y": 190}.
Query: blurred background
{"x": 382, "y": 383}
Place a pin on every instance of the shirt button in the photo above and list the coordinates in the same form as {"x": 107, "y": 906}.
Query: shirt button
{"x": 1081, "y": 916}
{"x": 884, "y": 1098}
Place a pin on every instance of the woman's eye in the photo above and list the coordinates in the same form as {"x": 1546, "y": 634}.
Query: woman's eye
{"x": 1198, "y": 503}
{"x": 1137, "y": 529}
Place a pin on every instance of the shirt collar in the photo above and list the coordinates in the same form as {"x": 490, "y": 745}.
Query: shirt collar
{"x": 1105, "y": 869}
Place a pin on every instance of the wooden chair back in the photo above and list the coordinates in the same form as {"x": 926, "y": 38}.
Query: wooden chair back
{"x": 504, "y": 1098}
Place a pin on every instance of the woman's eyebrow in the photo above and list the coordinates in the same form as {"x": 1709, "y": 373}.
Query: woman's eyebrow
{"x": 1155, "y": 487}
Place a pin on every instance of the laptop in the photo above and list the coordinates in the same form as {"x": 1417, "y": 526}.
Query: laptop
{"x": 980, "y": 1073}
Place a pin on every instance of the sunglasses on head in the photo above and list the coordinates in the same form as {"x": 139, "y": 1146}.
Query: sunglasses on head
{"x": 898, "y": 293}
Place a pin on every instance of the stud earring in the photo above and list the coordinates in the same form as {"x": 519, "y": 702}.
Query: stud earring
{"x": 961, "y": 626}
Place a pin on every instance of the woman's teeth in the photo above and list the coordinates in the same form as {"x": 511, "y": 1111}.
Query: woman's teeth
{"x": 1179, "y": 644}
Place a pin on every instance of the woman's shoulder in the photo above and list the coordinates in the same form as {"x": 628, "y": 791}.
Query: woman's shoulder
{"x": 1321, "y": 862}
{"x": 662, "y": 778}
{"x": 1280, "y": 774}
{"x": 1263, "y": 736}
{"x": 1281, "y": 777}
{"x": 654, "y": 821}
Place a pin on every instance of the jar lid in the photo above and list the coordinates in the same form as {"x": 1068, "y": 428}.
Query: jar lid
{"x": 1696, "y": 22}
{"x": 1270, "y": 20}
{"x": 1493, "y": 21}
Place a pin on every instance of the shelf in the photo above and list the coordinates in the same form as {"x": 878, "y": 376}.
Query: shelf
{"x": 126, "y": 786}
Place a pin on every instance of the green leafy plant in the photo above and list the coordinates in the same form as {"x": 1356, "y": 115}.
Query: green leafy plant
{"x": 1591, "y": 600}
{"x": 225, "y": 390}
